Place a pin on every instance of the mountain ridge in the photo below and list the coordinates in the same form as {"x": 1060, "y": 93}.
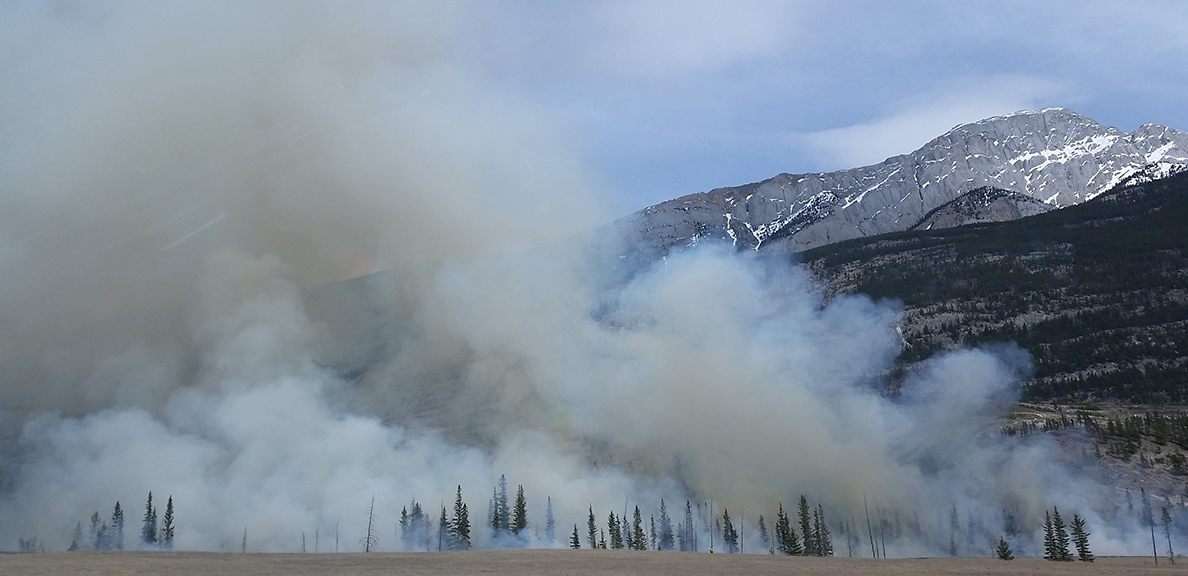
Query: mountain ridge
{"x": 1054, "y": 155}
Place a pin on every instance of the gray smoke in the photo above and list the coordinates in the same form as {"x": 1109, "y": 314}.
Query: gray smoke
{"x": 190, "y": 186}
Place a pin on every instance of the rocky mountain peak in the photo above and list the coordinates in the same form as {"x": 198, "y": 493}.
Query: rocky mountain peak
{"x": 1054, "y": 156}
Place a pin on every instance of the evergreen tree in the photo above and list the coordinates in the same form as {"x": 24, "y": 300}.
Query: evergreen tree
{"x": 614, "y": 528}
{"x": 729, "y": 536}
{"x": 574, "y": 541}
{"x": 638, "y": 538}
{"x": 690, "y": 529}
{"x": 148, "y": 533}
{"x": 501, "y": 508}
{"x": 1049, "y": 538}
{"x": 810, "y": 546}
{"x": 628, "y": 543}
{"x": 823, "y": 536}
{"x": 1060, "y": 537}
{"x": 444, "y": 532}
{"x": 787, "y": 541}
{"x": 652, "y": 532}
{"x": 1004, "y": 550}
{"x": 550, "y": 523}
{"x": 414, "y": 527}
{"x": 590, "y": 535}
{"x": 1081, "y": 538}
{"x": 764, "y": 539}
{"x": 666, "y": 539}
{"x": 167, "y": 525}
{"x": 404, "y": 533}
{"x": 954, "y": 530}
{"x": 93, "y": 536}
{"x": 117, "y": 527}
{"x": 76, "y": 543}
{"x": 1009, "y": 524}
{"x": 103, "y": 540}
{"x": 460, "y": 525}
{"x": 520, "y": 514}
{"x": 493, "y": 511}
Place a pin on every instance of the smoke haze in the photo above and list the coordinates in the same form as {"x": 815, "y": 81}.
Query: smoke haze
{"x": 190, "y": 189}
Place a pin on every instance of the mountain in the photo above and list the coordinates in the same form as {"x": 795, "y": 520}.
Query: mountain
{"x": 1096, "y": 292}
{"x": 1051, "y": 158}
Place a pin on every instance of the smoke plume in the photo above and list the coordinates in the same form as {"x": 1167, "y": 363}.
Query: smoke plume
{"x": 277, "y": 259}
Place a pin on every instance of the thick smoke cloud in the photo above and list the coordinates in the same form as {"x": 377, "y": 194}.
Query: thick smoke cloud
{"x": 188, "y": 188}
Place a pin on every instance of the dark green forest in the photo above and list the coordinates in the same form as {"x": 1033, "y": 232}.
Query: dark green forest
{"x": 1096, "y": 292}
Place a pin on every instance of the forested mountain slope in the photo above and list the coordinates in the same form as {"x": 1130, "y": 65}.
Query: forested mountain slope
{"x": 1097, "y": 292}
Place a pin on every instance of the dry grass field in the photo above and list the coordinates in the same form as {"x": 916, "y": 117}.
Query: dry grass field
{"x": 542, "y": 563}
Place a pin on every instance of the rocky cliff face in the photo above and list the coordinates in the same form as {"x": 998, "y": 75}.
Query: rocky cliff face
{"x": 1054, "y": 156}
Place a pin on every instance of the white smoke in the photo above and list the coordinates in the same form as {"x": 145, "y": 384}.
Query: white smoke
{"x": 185, "y": 183}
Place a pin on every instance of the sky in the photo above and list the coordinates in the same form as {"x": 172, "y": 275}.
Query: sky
{"x": 666, "y": 98}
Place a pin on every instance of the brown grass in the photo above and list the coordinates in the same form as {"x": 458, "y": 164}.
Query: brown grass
{"x": 544, "y": 562}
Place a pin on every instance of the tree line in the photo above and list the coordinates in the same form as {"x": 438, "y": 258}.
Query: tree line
{"x": 104, "y": 535}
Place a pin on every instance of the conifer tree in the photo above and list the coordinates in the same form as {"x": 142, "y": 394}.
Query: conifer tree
{"x": 103, "y": 541}
{"x": 954, "y": 529}
{"x": 1009, "y": 524}
{"x": 690, "y": 529}
{"x": 501, "y": 507}
{"x": 493, "y": 511}
{"x": 638, "y": 538}
{"x": 652, "y": 532}
{"x": 460, "y": 525}
{"x": 117, "y": 527}
{"x": 614, "y": 528}
{"x": 93, "y": 539}
{"x": 666, "y": 538}
{"x": 1060, "y": 535}
{"x": 404, "y": 531}
{"x": 1081, "y": 538}
{"x": 76, "y": 543}
{"x": 574, "y": 541}
{"x": 787, "y": 539}
{"x": 414, "y": 527}
{"x": 148, "y": 533}
{"x": 1004, "y": 550}
{"x": 764, "y": 539}
{"x": 590, "y": 534}
{"x": 1049, "y": 538}
{"x": 823, "y": 536}
{"x": 167, "y": 525}
{"x": 550, "y": 522}
{"x": 444, "y": 532}
{"x": 628, "y": 543}
{"x": 810, "y": 546}
{"x": 520, "y": 514}
{"x": 729, "y": 536}
{"x": 601, "y": 539}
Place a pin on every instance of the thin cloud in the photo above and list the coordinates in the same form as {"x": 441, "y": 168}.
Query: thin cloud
{"x": 922, "y": 118}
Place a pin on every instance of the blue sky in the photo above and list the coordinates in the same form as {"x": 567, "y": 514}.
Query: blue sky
{"x": 672, "y": 97}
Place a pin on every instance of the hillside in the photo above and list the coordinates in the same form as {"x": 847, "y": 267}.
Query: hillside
{"x": 1097, "y": 292}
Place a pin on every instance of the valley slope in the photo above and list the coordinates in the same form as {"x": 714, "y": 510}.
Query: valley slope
{"x": 1096, "y": 292}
